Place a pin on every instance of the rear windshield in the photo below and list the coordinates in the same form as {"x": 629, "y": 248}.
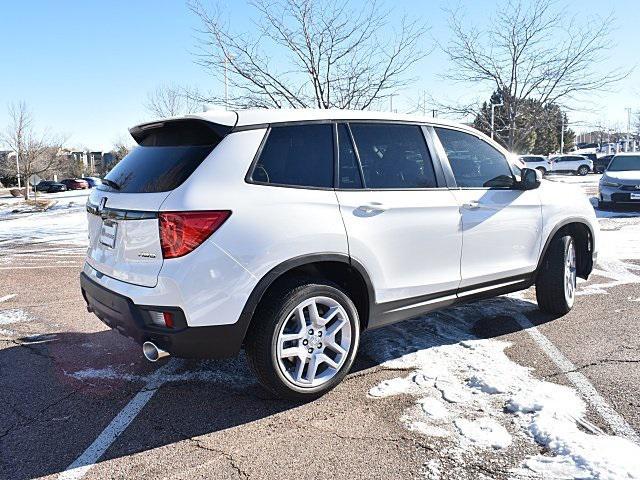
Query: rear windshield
{"x": 155, "y": 169}
{"x": 168, "y": 153}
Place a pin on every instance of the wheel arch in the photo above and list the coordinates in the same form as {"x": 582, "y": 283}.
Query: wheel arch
{"x": 338, "y": 268}
{"x": 583, "y": 235}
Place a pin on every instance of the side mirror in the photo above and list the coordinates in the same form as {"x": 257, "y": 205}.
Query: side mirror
{"x": 530, "y": 179}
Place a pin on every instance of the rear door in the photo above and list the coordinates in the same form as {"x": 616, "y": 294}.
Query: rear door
{"x": 124, "y": 239}
{"x": 402, "y": 222}
{"x": 501, "y": 225}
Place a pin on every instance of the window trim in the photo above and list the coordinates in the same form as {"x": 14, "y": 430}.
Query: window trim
{"x": 256, "y": 157}
{"x": 453, "y": 178}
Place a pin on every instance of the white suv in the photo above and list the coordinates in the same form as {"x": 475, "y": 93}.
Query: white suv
{"x": 289, "y": 233}
{"x": 576, "y": 164}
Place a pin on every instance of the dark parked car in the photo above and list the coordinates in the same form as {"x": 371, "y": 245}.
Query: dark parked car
{"x": 75, "y": 183}
{"x": 50, "y": 187}
{"x": 92, "y": 181}
{"x": 601, "y": 164}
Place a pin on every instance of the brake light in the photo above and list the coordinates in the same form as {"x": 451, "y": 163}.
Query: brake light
{"x": 183, "y": 232}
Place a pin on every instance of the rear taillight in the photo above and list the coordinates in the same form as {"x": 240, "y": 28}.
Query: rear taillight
{"x": 182, "y": 232}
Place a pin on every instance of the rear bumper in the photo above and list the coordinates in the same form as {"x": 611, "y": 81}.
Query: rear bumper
{"x": 121, "y": 313}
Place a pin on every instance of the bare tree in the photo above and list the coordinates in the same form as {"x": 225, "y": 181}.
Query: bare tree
{"x": 309, "y": 54}
{"x": 533, "y": 51}
{"x": 172, "y": 100}
{"x": 37, "y": 152}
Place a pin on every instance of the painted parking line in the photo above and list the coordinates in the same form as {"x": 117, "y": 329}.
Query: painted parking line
{"x": 617, "y": 423}
{"x": 119, "y": 424}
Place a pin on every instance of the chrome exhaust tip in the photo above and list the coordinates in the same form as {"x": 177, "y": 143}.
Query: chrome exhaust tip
{"x": 152, "y": 353}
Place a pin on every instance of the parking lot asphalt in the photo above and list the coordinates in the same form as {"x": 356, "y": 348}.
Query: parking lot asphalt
{"x": 79, "y": 401}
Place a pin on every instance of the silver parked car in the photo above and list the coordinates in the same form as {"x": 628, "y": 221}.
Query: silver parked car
{"x": 620, "y": 183}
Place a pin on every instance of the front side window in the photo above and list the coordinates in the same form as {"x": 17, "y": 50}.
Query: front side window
{"x": 474, "y": 162}
{"x": 298, "y": 155}
{"x": 393, "y": 156}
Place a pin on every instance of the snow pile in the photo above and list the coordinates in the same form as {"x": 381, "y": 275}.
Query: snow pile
{"x": 469, "y": 391}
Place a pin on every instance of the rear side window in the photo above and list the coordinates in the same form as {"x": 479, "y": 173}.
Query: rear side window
{"x": 393, "y": 156}
{"x": 474, "y": 162}
{"x": 168, "y": 153}
{"x": 298, "y": 155}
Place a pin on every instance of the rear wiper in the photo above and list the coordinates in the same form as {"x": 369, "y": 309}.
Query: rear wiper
{"x": 111, "y": 183}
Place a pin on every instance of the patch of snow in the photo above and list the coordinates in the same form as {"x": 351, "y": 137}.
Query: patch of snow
{"x": 552, "y": 467}
{"x": 475, "y": 396}
{"x": 433, "y": 408}
{"x": 207, "y": 372}
{"x": 13, "y": 315}
{"x": 6, "y": 298}
{"x": 432, "y": 469}
{"x": 394, "y": 386}
{"x": 63, "y": 224}
{"x": 483, "y": 431}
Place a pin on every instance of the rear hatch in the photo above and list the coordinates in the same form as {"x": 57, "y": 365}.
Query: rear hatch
{"x": 124, "y": 238}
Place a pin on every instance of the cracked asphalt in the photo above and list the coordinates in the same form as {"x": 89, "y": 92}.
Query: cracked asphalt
{"x": 64, "y": 377}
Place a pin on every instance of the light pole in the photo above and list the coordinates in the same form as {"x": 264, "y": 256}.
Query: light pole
{"x": 562, "y": 134}
{"x": 493, "y": 107}
{"x": 626, "y": 146}
{"x": 391, "y": 101}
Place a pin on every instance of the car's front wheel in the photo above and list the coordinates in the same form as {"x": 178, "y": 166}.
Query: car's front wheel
{"x": 556, "y": 280}
{"x": 303, "y": 338}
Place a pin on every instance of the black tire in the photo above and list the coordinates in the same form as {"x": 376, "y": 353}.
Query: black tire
{"x": 262, "y": 338}
{"x": 542, "y": 170}
{"x": 583, "y": 170}
{"x": 550, "y": 282}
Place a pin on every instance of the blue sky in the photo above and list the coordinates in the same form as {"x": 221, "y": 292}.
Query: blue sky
{"x": 85, "y": 67}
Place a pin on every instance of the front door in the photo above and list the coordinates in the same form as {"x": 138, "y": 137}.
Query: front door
{"x": 501, "y": 225}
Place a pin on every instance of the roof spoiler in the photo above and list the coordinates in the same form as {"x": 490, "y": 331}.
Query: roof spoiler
{"x": 189, "y": 130}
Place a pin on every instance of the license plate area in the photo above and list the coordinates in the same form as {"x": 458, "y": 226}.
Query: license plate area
{"x": 634, "y": 196}
{"x": 108, "y": 233}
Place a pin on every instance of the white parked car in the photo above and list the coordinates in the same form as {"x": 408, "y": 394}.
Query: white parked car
{"x": 539, "y": 162}
{"x": 620, "y": 183}
{"x": 290, "y": 233}
{"x": 575, "y": 164}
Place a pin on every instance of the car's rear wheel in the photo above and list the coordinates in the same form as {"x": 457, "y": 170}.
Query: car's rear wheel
{"x": 303, "y": 339}
{"x": 542, "y": 170}
{"x": 556, "y": 281}
{"x": 583, "y": 170}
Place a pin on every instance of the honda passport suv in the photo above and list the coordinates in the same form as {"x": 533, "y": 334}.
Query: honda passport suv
{"x": 290, "y": 233}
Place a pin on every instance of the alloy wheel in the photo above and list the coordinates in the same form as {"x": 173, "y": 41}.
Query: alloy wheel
{"x": 313, "y": 342}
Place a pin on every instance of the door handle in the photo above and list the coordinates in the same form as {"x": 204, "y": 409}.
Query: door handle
{"x": 373, "y": 207}
{"x": 471, "y": 205}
